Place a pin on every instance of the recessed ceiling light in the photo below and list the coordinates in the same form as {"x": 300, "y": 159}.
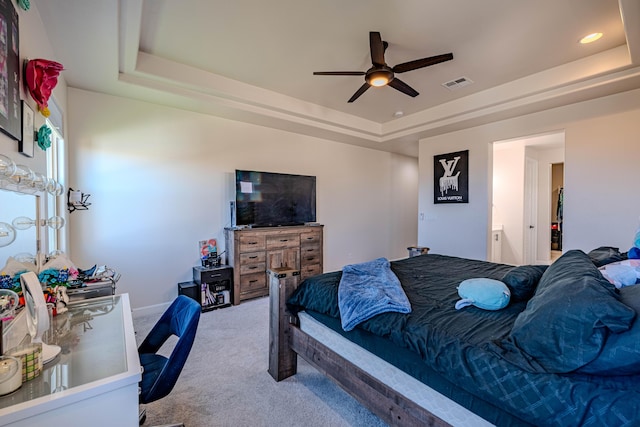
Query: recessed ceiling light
{"x": 590, "y": 38}
{"x": 398, "y": 113}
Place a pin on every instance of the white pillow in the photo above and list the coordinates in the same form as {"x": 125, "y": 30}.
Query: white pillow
{"x": 622, "y": 273}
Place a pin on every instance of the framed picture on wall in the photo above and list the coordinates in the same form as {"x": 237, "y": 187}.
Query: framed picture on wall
{"x": 26, "y": 144}
{"x": 451, "y": 177}
{"x": 10, "y": 112}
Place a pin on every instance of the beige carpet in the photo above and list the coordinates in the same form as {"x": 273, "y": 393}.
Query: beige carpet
{"x": 225, "y": 381}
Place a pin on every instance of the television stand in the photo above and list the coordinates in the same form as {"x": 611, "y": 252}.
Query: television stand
{"x": 253, "y": 251}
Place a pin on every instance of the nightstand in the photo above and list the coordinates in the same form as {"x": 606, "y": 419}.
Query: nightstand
{"x": 215, "y": 286}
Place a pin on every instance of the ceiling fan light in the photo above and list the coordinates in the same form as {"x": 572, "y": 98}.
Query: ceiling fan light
{"x": 379, "y": 78}
{"x": 379, "y": 81}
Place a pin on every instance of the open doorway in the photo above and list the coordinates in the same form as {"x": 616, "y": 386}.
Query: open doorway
{"x": 522, "y": 202}
{"x": 557, "y": 207}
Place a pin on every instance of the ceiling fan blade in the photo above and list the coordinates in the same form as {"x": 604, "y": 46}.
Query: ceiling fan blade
{"x": 339, "y": 73}
{"x": 403, "y": 87}
{"x": 420, "y": 63}
{"x": 377, "y": 48}
{"x": 359, "y": 92}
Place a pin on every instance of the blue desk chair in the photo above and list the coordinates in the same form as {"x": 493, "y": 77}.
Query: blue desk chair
{"x": 159, "y": 373}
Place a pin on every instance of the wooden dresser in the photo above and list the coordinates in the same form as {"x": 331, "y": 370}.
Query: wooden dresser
{"x": 252, "y": 251}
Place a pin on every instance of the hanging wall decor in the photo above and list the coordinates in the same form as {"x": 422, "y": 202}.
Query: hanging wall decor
{"x": 44, "y": 137}
{"x": 451, "y": 177}
{"x": 25, "y": 145}
{"x": 10, "y": 110}
{"x": 41, "y": 76}
{"x": 24, "y": 4}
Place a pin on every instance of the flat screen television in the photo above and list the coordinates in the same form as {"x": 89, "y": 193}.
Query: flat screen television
{"x": 267, "y": 199}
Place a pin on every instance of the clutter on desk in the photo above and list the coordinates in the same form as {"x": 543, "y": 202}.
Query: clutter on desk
{"x": 9, "y": 301}
{"x": 10, "y": 374}
{"x": 30, "y": 356}
{"x": 59, "y": 277}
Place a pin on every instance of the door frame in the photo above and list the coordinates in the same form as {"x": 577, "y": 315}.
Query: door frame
{"x": 530, "y": 211}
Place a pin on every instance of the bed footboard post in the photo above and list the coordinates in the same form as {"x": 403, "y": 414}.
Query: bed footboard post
{"x": 283, "y": 361}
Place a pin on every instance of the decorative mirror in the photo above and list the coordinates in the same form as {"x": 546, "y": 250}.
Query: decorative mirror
{"x": 25, "y": 241}
{"x": 20, "y": 219}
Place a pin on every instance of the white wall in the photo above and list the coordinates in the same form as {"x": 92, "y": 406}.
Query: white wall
{"x": 403, "y": 204}
{"x": 456, "y": 229}
{"x": 601, "y": 202}
{"x": 601, "y": 151}
{"x": 508, "y": 198}
{"x": 161, "y": 179}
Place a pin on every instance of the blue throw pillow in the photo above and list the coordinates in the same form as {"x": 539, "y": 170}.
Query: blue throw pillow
{"x": 566, "y": 322}
{"x": 621, "y": 352}
{"x": 488, "y": 294}
{"x": 605, "y": 255}
{"x": 523, "y": 280}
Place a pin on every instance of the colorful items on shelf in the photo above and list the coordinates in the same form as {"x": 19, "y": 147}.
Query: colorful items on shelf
{"x": 209, "y": 253}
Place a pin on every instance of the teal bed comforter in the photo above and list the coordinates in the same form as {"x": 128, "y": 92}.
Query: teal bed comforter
{"x": 545, "y": 359}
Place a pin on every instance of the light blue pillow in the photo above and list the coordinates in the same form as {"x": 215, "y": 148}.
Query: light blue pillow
{"x": 488, "y": 294}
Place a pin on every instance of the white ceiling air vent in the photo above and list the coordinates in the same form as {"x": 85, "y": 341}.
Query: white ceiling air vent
{"x": 457, "y": 83}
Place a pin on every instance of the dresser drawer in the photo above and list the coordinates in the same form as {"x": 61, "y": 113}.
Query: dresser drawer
{"x": 257, "y": 267}
{"x": 310, "y": 270}
{"x": 250, "y": 283}
{"x": 311, "y": 237}
{"x": 283, "y": 241}
{"x": 253, "y": 257}
{"x": 310, "y": 254}
{"x": 251, "y": 243}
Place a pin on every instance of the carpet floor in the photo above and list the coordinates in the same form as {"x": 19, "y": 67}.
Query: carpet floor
{"x": 225, "y": 380}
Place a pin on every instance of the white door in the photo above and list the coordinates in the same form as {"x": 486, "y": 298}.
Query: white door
{"x": 530, "y": 210}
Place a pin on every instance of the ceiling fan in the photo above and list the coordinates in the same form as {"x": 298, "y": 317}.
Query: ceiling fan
{"x": 380, "y": 74}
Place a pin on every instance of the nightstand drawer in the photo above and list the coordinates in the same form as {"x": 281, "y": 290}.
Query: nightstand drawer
{"x": 210, "y": 275}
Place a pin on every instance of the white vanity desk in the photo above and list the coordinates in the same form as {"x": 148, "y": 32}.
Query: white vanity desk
{"x": 93, "y": 381}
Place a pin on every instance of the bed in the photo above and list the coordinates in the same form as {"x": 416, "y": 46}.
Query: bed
{"x": 564, "y": 351}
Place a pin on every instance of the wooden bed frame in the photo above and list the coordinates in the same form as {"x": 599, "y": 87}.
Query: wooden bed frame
{"x": 287, "y": 341}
